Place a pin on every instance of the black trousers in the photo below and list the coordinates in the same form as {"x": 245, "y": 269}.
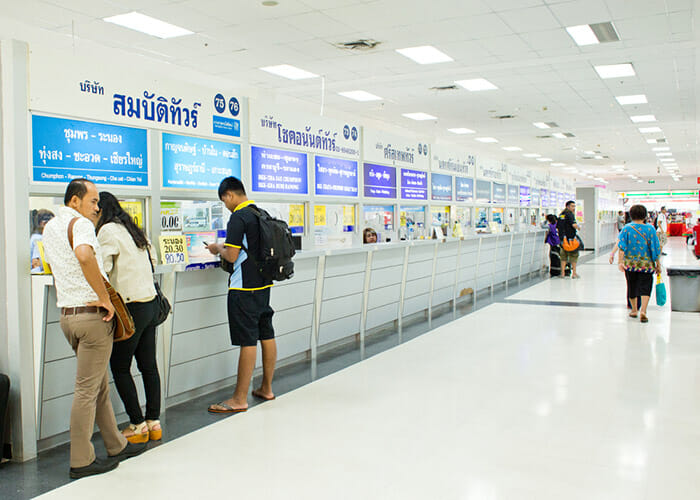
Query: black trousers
{"x": 142, "y": 346}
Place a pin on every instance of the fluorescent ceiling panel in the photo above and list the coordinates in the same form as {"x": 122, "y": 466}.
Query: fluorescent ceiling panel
{"x": 625, "y": 100}
{"x": 487, "y": 139}
{"x": 559, "y": 135}
{"x": 512, "y": 148}
{"x": 643, "y": 118}
{"x": 582, "y": 35}
{"x": 288, "y": 71}
{"x": 420, "y": 116}
{"x": 668, "y": 153}
{"x": 476, "y": 84}
{"x": 425, "y": 54}
{"x": 461, "y": 130}
{"x": 663, "y": 148}
{"x": 149, "y": 25}
{"x": 615, "y": 70}
{"x": 649, "y": 130}
{"x": 360, "y": 95}
{"x": 544, "y": 159}
{"x": 542, "y": 125}
{"x": 531, "y": 155}
{"x": 558, "y": 164}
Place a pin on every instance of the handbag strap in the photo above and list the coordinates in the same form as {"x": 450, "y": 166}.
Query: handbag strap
{"x": 150, "y": 261}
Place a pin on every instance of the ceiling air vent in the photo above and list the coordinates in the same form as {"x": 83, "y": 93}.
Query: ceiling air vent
{"x": 503, "y": 117}
{"x": 363, "y": 44}
{"x": 444, "y": 87}
{"x": 569, "y": 134}
{"x": 605, "y": 32}
{"x": 552, "y": 124}
{"x": 543, "y": 136}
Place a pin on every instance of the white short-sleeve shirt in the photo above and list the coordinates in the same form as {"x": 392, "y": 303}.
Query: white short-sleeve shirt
{"x": 72, "y": 289}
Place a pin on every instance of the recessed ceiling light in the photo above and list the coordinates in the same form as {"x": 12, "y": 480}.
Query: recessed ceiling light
{"x": 598, "y": 157}
{"x": 544, "y": 159}
{"x": 531, "y": 155}
{"x": 663, "y": 148}
{"x": 631, "y": 99}
{"x": 512, "y": 148}
{"x": 476, "y": 84}
{"x": 360, "y": 95}
{"x": 541, "y": 125}
{"x": 665, "y": 160}
{"x": 615, "y": 70}
{"x": 668, "y": 153}
{"x": 147, "y": 24}
{"x": 461, "y": 130}
{"x": 425, "y": 54}
{"x": 649, "y": 130}
{"x": 270, "y": 3}
{"x": 643, "y": 118}
{"x": 559, "y": 135}
{"x": 487, "y": 139}
{"x": 582, "y": 35}
{"x": 589, "y": 152}
{"x": 558, "y": 164}
{"x": 570, "y": 169}
{"x": 289, "y": 71}
{"x": 420, "y": 116}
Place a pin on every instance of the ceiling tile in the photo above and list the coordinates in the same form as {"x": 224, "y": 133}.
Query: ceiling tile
{"x": 532, "y": 19}
{"x": 577, "y": 13}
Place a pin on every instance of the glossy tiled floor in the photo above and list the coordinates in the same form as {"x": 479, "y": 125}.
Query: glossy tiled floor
{"x": 552, "y": 393}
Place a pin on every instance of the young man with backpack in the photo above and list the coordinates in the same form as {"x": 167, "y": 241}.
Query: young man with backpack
{"x": 249, "y": 311}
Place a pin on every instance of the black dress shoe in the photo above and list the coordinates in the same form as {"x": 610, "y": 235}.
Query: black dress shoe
{"x": 96, "y": 467}
{"x": 130, "y": 450}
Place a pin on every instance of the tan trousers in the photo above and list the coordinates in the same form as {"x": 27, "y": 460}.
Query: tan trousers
{"x": 91, "y": 339}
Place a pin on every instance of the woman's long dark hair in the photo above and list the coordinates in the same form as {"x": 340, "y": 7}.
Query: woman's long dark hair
{"x": 111, "y": 211}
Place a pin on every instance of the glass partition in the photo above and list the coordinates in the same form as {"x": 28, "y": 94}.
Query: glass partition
{"x": 412, "y": 223}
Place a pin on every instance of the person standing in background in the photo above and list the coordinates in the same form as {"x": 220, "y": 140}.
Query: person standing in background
{"x": 127, "y": 261}
{"x": 662, "y": 228}
{"x": 86, "y": 321}
{"x": 639, "y": 258}
{"x": 620, "y": 220}
{"x": 567, "y": 228}
{"x": 39, "y": 220}
{"x": 552, "y": 239}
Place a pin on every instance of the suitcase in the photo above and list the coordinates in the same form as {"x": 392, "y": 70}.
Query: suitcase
{"x": 554, "y": 261}
{"x": 4, "y": 398}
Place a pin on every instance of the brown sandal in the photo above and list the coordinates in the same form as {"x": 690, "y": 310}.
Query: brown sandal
{"x": 643, "y": 318}
{"x": 633, "y": 315}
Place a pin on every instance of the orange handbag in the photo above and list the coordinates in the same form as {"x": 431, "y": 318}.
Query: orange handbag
{"x": 123, "y": 322}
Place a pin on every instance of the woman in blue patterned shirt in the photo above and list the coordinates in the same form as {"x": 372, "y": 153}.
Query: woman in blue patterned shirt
{"x": 639, "y": 256}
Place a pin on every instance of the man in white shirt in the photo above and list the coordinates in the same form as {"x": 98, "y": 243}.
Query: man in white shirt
{"x": 86, "y": 321}
{"x": 662, "y": 231}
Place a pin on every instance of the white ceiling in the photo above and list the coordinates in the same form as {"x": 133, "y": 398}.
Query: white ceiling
{"x": 519, "y": 45}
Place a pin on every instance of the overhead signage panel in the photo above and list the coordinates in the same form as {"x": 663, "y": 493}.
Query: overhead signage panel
{"x": 63, "y": 150}
{"x": 335, "y": 177}
{"x": 382, "y": 147}
{"x": 464, "y": 189}
{"x": 196, "y": 163}
{"x": 499, "y": 193}
{"x": 379, "y": 181}
{"x": 278, "y": 171}
{"x": 414, "y": 184}
{"x": 483, "y": 191}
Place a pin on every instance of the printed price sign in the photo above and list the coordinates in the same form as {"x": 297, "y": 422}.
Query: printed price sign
{"x": 170, "y": 216}
{"x": 296, "y": 219}
{"x": 173, "y": 249}
{"x": 135, "y": 210}
{"x": 348, "y": 217}
{"x": 319, "y": 215}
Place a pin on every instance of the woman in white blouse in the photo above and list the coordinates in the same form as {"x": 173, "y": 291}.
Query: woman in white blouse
{"x": 127, "y": 262}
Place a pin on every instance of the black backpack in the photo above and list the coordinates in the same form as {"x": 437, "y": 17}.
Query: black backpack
{"x": 276, "y": 248}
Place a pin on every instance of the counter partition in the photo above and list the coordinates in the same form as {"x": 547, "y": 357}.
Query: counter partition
{"x": 336, "y": 296}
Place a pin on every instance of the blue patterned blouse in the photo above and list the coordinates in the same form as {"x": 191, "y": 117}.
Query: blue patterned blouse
{"x": 640, "y": 246}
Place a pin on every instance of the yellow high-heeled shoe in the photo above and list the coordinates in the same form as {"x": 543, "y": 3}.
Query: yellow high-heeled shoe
{"x": 136, "y": 433}
{"x": 155, "y": 431}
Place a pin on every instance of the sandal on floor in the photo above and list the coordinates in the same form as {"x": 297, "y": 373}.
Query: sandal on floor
{"x": 633, "y": 315}
{"x": 155, "y": 431}
{"x": 643, "y": 318}
{"x": 136, "y": 433}
{"x": 257, "y": 394}
{"x": 224, "y": 408}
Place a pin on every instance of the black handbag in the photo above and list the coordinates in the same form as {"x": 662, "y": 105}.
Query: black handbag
{"x": 162, "y": 301}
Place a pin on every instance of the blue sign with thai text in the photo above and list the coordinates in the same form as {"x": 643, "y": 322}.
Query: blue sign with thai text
{"x": 441, "y": 187}
{"x": 553, "y": 199}
{"x": 535, "y": 198}
{"x": 513, "y": 194}
{"x": 464, "y": 189}
{"x": 196, "y": 163}
{"x": 561, "y": 199}
{"x": 226, "y": 126}
{"x": 483, "y": 191}
{"x": 278, "y": 171}
{"x": 63, "y": 150}
{"x": 499, "y": 193}
{"x": 335, "y": 177}
{"x": 414, "y": 184}
{"x": 544, "y": 196}
{"x": 380, "y": 181}
{"x": 524, "y": 196}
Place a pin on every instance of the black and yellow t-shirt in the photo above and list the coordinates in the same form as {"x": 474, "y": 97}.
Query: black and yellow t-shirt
{"x": 243, "y": 232}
